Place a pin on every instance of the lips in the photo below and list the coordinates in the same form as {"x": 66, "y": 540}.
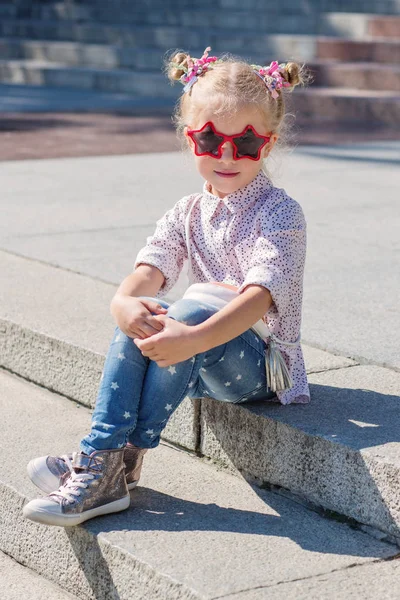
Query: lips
{"x": 226, "y": 174}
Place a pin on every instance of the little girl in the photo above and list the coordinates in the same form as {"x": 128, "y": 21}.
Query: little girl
{"x": 240, "y": 231}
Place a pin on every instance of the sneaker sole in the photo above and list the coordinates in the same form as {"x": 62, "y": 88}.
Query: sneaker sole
{"x": 62, "y": 520}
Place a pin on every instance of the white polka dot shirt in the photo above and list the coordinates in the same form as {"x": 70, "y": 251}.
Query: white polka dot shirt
{"x": 256, "y": 235}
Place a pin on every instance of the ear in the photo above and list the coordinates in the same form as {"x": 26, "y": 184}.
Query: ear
{"x": 189, "y": 140}
{"x": 268, "y": 147}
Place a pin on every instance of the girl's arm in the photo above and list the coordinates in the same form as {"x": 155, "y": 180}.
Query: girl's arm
{"x": 235, "y": 318}
{"x": 134, "y": 315}
{"x": 178, "y": 342}
{"x": 146, "y": 280}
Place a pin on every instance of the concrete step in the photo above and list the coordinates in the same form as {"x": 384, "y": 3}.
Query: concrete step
{"x": 190, "y": 529}
{"x": 78, "y": 54}
{"x": 358, "y": 75}
{"x": 347, "y": 104}
{"x": 18, "y": 582}
{"x": 197, "y": 16}
{"x": 338, "y": 452}
{"x": 360, "y": 25}
{"x": 325, "y": 103}
{"x": 137, "y": 83}
{"x": 284, "y": 7}
{"x": 281, "y": 46}
{"x": 347, "y": 50}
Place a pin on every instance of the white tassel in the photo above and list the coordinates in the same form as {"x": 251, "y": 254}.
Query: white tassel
{"x": 278, "y": 376}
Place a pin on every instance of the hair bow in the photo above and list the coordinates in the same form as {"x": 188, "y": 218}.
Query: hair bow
{"x": 272, "y": 77}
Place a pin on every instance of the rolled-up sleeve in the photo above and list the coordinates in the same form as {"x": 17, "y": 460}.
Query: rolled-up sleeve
{"x": 166, "y": 249}
{"x": 278, "y": 257}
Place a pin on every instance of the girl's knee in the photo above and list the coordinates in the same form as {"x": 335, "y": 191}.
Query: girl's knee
{"x": 190, "y": 311}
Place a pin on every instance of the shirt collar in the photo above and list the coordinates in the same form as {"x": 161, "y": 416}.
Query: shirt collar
{"x": 242, "y": 198}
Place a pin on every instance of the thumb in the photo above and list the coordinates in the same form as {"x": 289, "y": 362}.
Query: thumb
{"x": 154, "y": 306}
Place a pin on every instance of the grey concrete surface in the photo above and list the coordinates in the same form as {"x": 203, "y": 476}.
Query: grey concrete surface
{"x": 341, "y": 452}
{"x": 379, "y": 581}
{"x": 18, "y": 582}
{"x": 92, "y": 215}
{"x": 192, "y": 532}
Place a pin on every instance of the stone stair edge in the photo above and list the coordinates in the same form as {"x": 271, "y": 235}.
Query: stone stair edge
{"x": 208, "y": 428}
{"x": 124, "y": 554}
{"x": 72, "y": 578}
{"x": 271, "y": 438}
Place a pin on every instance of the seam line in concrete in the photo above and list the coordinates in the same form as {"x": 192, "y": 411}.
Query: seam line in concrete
{"x": 263, "y": 587}
{"x": 96, "y": 230}
{"x": 333, "y": 368}
{"x": 361, "y": 359}
{"x": 55, "y": 266}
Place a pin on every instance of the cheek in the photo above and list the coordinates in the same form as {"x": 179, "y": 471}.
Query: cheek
{"x": 204, "y": 163}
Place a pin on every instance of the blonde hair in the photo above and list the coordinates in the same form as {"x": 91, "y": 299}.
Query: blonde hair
{"x": 234, "y": 85}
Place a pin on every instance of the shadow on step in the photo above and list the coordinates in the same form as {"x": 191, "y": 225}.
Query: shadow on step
{"x": 340, "y": 452}
{"x": 153, "y": 511}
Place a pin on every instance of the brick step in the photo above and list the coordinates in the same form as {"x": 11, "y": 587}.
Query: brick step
{"x": 345, "y": 468}
{"x": 358, "y": 25}
{"x": 384, "y": 26}
{"x": 281, "y": 46}
{"x": 359, "y": 75}
{"x": 346, "y": 50}
{"x": 187, "y": 533}
{"x": 347, "y": 104}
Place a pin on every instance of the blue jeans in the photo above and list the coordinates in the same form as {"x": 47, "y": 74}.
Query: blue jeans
{"x": 136, "y": 397}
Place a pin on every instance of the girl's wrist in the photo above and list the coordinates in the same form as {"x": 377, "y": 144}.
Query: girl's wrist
{"x": 200, "y": 337}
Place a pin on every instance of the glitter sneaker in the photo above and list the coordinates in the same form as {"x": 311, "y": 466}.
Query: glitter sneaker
{"x": 48, "y": 473}
{"x": 96, "y": 486}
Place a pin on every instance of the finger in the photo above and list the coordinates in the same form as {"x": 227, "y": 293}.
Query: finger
{"x": 139, "y": 334}
{"x": 145, "y": 345}
{"x": 149, "y": 329}
{"x": 153, "y": 306}
{"x": 163, "y": 363}
{"x": 155, "y": 323}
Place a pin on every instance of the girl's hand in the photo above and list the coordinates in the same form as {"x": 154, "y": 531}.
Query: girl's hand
{"x": 175, "y": 343}
{"x": 134, "y": 316}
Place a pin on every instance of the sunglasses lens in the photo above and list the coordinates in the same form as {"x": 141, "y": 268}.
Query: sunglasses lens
{"x": 207, "y": 141}
{"x": 248, "y": 144}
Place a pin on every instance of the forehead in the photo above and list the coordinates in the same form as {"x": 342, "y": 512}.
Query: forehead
{"x": 228, "y": 123}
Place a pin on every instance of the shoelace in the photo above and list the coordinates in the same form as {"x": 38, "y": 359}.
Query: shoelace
{"x": 70, "y": 490}
{"x": 68, "y": 461}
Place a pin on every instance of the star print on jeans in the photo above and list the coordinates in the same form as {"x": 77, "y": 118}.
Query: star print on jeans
{"x": 115, "y": 385}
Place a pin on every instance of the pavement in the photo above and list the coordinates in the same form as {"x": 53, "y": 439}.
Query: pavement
{"x": 93, "y": 214}
{"x": 81, "y": 191}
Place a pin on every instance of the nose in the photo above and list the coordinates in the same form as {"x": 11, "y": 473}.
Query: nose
{"x": 227, "y": 151}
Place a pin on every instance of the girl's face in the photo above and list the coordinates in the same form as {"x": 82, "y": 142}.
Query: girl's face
{"x": 225, "y": 174}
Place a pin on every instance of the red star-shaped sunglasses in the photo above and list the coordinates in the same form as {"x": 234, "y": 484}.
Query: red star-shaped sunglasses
{"x": 208, "y": 142}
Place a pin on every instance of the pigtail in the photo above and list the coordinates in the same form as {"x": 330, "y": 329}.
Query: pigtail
{"x": 177, "y": 65}
{"x": 295, "y": 74}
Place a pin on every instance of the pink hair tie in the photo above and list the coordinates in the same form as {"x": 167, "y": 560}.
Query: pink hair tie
{"x": 195, "y": 68}
{"x": 272, "y": 77}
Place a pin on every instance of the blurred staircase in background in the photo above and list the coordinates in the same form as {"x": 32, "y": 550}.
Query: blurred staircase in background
{"x": 353, "y": 50}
